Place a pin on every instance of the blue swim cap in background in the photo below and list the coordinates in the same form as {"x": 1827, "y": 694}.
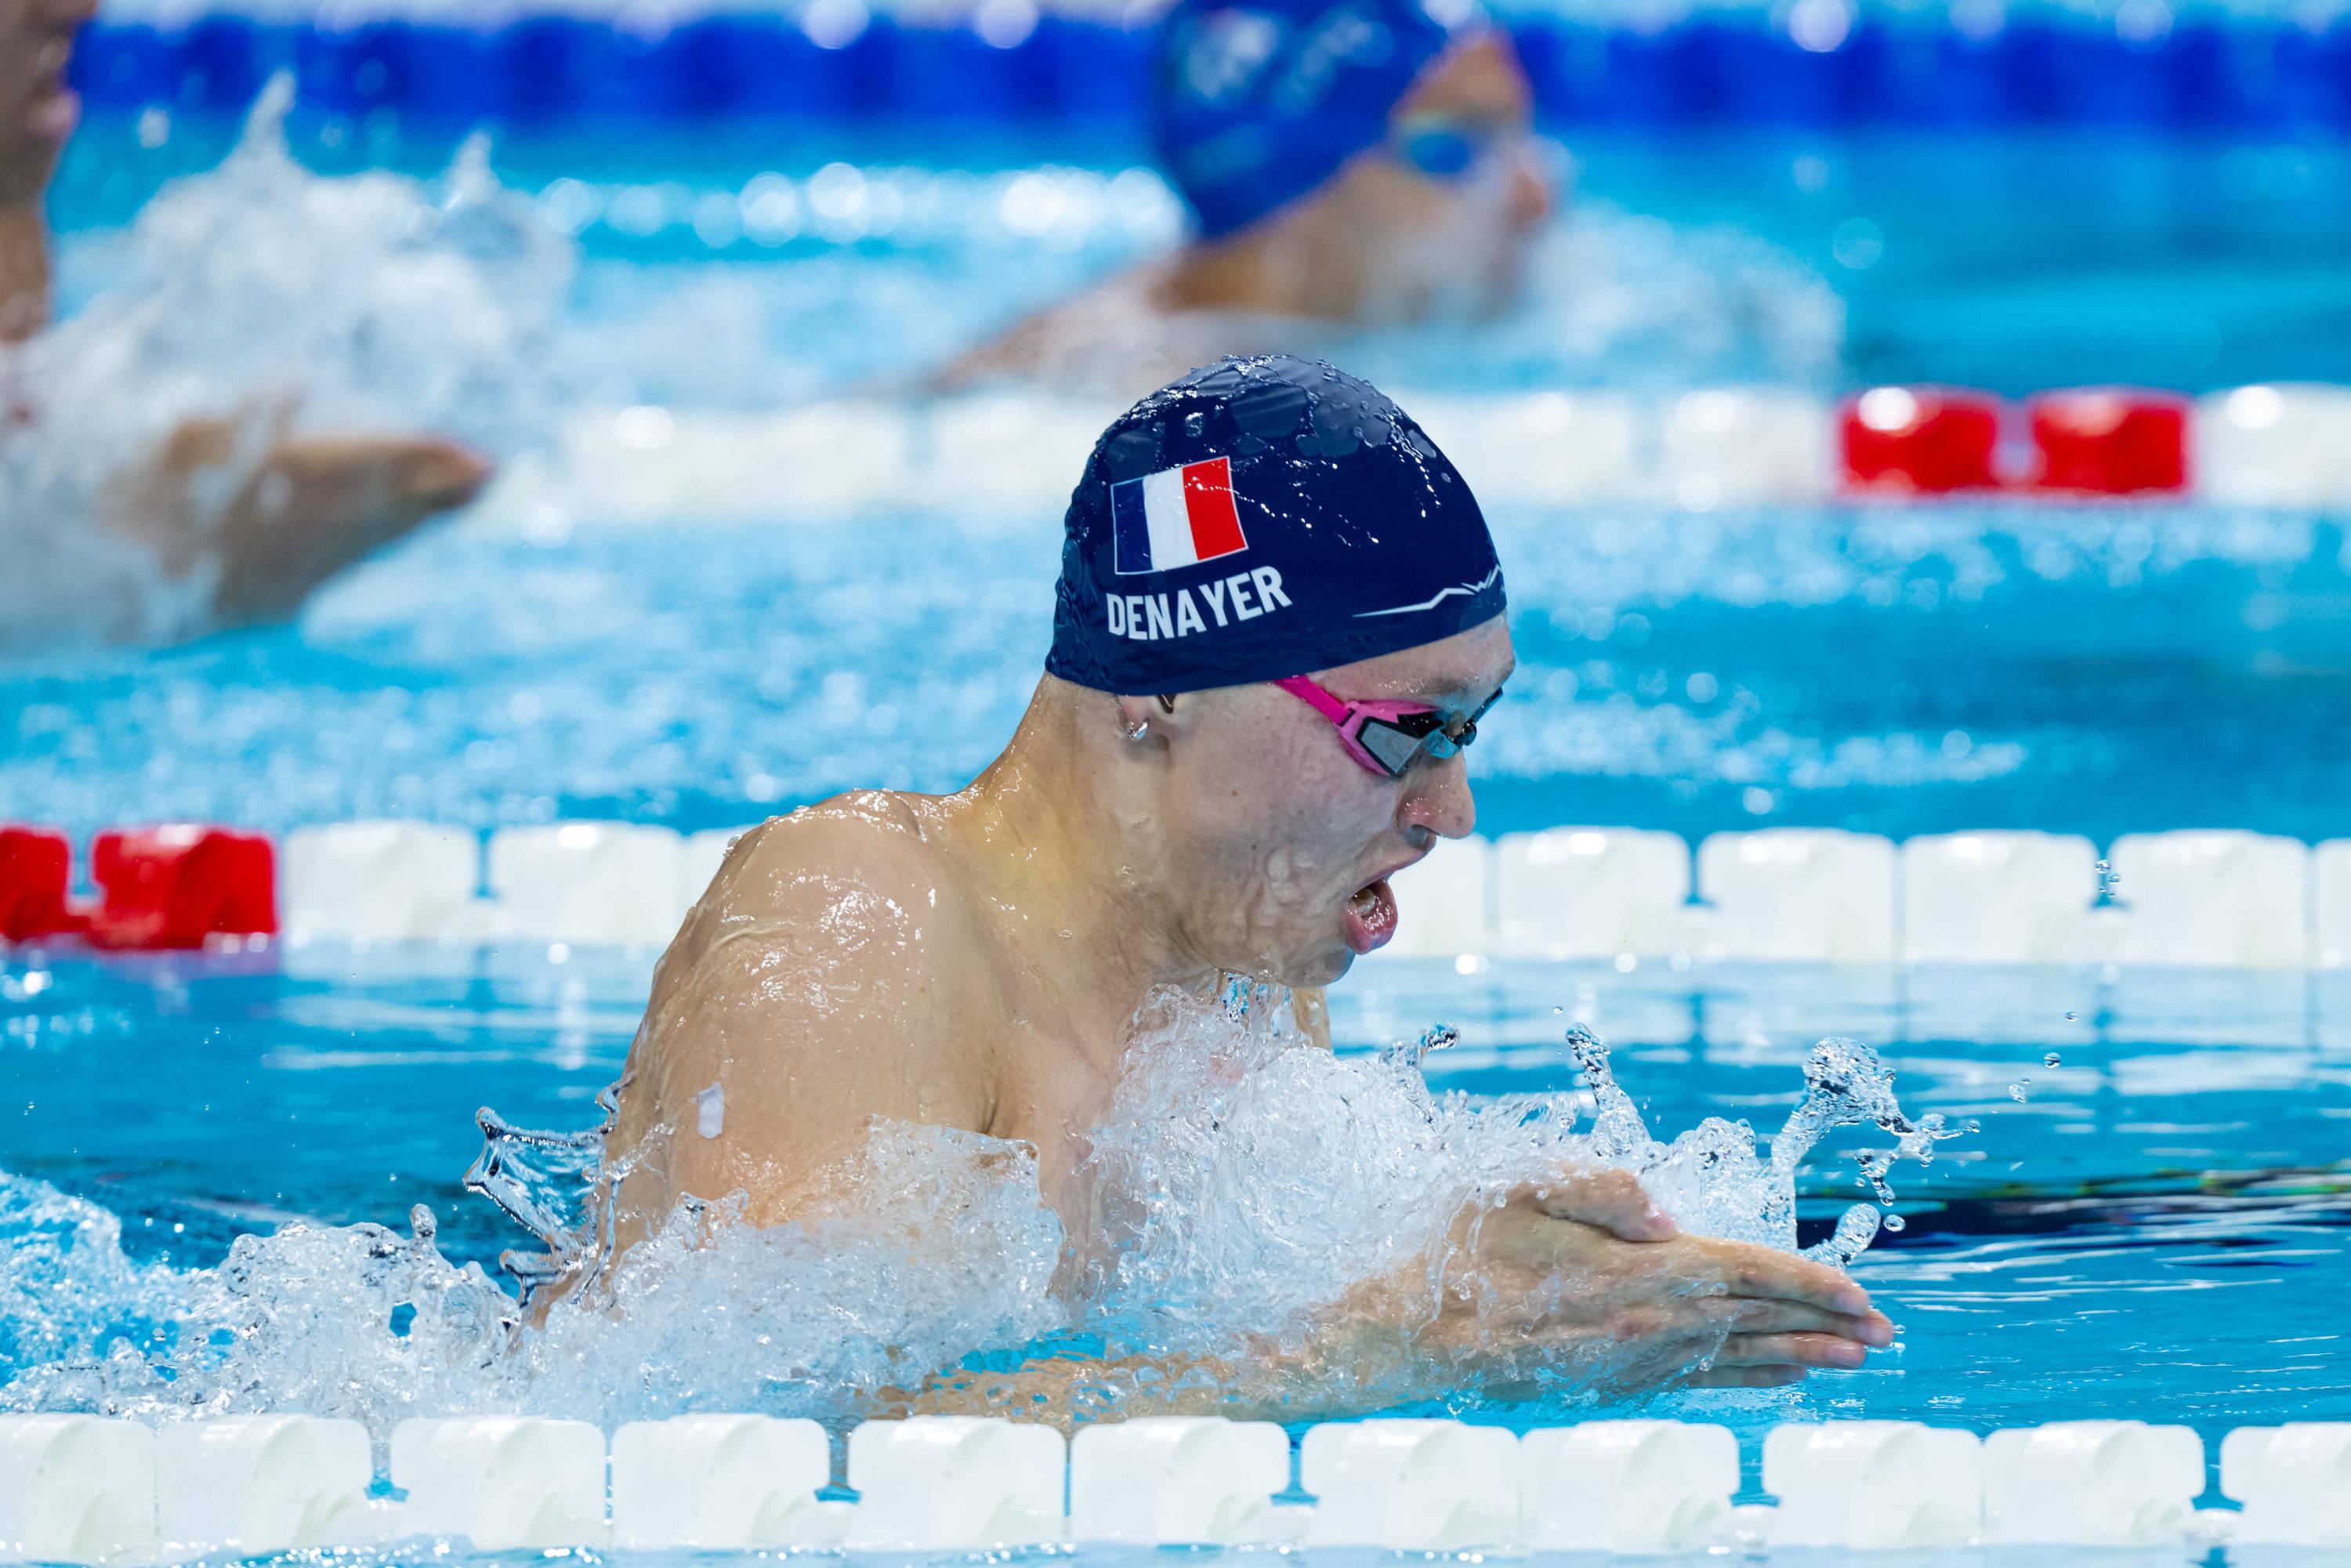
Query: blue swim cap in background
{"x": 1259, "y": 101}
{"x": 1261, "y": 518}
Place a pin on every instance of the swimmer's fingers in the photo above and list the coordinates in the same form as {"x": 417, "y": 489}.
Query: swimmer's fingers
{"x": 1739, "y": 1269}
{"x": 1762, "y": 1315}
{"x": 1807, "y": 1350}
{"x": 1611, "y": 1200}
{"x": 1745, "y": 1377}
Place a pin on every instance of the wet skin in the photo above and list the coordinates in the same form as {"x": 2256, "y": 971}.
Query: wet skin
{"x": 976, "y": 961}
{"x": 1377, "y": 244}
{"x": 38, "y": 113}
{"x": 301, "y": 508}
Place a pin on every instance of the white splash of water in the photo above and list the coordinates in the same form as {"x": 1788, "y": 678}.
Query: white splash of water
{"x": 1241, "y": 1185}
{"x": 947, "y": 1250}
{"x": 281, "y": 303}
{"x": 1250, "y": 1182}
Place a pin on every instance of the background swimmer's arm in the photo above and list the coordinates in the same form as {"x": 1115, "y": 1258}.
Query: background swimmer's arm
{"x": 804, "y": 988}
{"x": 1109, "y": 325}
{"x": 305, "y": 508}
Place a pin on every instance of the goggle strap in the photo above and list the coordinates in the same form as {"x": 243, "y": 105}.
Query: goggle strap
{"x": 1314, "y": 697}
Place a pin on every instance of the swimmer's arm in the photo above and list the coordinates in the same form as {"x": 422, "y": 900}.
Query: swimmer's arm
{"x": 1117, "y": 316}
{"x": 305, "y": 508}
{"x": 1071, "y": 1391}
{"x": 310, "y": 507}
{"x": 801, "y": 988}
{"x": 1022, "y": 352}
{"x": 1578, "y": 1279}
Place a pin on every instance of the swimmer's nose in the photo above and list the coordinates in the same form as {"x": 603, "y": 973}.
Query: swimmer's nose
{"x": 1438, "y": 801}
{"x": 1532, "y": 197}
{"x": 439, "y": 475}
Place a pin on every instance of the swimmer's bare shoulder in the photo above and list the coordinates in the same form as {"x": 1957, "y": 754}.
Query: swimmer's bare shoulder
{"x": 824, "y": 980}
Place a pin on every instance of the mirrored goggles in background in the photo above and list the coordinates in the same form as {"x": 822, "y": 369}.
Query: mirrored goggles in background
{"x": 1451, "y": 148}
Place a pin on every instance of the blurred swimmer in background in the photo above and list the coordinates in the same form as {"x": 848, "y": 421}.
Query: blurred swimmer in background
{"x": 1279, "y": 620}
{"x": 265, "y": 515}
{"x": 1362, "y": 163}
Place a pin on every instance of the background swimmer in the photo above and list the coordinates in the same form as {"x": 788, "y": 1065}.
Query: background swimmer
{"x": 1345, "y": 165}
{"x": 272, "y": 514}
{"x": 979, "y": 961}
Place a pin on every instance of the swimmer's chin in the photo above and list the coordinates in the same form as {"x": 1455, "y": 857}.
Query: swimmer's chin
{"x": 1300, "y": 971}
{"x": 1326, "y": 970}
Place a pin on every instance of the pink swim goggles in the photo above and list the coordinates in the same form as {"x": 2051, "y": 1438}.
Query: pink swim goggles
{"x": 1386, "y": 737}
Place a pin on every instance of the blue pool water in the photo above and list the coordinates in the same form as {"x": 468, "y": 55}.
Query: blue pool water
{"x": 2156, "y": 1227}
{"x": 2015, "y": 260}
{"x": 2099, "y": 669}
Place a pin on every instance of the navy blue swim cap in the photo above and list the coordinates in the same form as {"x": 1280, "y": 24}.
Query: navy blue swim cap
{"x": 1259, "y": 101}
{"x": 1262, "y": 519}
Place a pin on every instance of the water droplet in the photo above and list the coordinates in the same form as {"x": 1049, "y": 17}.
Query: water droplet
{"x": 421, "y": 1224}
{"x": 1857, "y": 1228}
{"x": 2071, "y": 1016}
{"x": 1895, "y": 1222}
{"x": 2052, "y": 1060}
{"x": 1194, "y": 425}
{"x": 2017, "y": 1090}
{"x": 1438, "y": 1036}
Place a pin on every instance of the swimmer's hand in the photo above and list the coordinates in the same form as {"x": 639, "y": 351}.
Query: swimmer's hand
{"x": 311, "y": 507}
{"x": 1582, "y": 1275}
{"x": 1579, "y": 1280}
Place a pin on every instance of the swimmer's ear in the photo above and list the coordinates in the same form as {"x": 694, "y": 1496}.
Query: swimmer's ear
{"x": 1139, "y": 715}
{"x": 1135, "y": 717}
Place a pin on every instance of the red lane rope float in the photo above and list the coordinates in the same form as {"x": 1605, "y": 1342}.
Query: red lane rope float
{"x": 174, "y": 887}
{"x": 1920, "y": 440}
{"x": 35, "y": 872}
{"x": 2109, "y": 441}
{"x": 2090, "y": 441}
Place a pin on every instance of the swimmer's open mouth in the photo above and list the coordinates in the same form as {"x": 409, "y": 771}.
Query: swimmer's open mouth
{"x": 1370, "y": 918}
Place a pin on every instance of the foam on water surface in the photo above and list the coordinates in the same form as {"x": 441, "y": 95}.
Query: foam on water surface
{"x": 1243, "y": 1188}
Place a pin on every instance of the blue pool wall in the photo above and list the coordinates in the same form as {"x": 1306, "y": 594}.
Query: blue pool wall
{"x": 2241, "y": 74}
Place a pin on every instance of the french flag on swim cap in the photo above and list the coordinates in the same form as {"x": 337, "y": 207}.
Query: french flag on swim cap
{"x": 1177, "y": 517}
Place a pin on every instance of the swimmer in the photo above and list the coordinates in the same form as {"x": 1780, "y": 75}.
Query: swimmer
{"x": 1362, "y": 163}
{"x": 1278, "y": 623}
{"x": 301, "y": 508}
